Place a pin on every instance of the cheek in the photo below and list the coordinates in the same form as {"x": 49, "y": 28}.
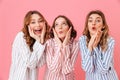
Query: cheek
{"x": 56, "y": 29}
{"x": 31, "y": 26}
{"x": 66, "y": 28}
{"x": 89, "y": 24}
{"x": 89, "y": 27}
{"x": 41, "y": 24}
{"x": 99, "y": 26}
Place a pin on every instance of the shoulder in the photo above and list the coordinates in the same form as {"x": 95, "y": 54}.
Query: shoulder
{"x": 83, "y": 37}
{"x": 19, "y": 38}
{"x": 110, "y": 40}
{"x": 75, "y": 42}
{"x": 49, "y": 41}
{"x": 19, "y": 35}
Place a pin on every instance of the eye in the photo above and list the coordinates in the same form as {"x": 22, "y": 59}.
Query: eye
{"x": 32, "y": 22}
{"x": 89, "y": 20}
{"x": 64, "y": 24}
{"x": 98, "y": 20}
{"x": 56, "y": 24}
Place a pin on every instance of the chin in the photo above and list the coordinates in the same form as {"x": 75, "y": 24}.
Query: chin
{"x": 38, "y": 34}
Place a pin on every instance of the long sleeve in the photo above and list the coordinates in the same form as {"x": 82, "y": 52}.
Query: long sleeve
{"x": 87, "y": 58}
{"x": 105, "y": 64}
{"x": 20, "y": 49}
{"x": 70, "y": 53}
{"x": 36, "y": 55}
{"x": 22, "y": 58}
{"x": 53, "y": 57}
{"x": 15, "y": 57}
{"x": 17, "y": 65}
{"x": 42, "y": 60}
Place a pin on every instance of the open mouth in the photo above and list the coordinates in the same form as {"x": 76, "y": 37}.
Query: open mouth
{"x": 93, "y": 28}
{"x": 38, "y": 31}
{"x": 60, "y": 32}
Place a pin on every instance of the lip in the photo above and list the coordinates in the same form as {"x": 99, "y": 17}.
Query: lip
{"x": 38, "y": 31}
{"x": 93, "y": 28}
{"x": 60, "y": 32}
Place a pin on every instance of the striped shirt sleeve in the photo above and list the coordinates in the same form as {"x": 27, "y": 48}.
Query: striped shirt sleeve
{"x": 105, "y": 64}
{"x": 53, "y": 58}
{"x": 42, "y": 60}
{"x": 35, "y": 57}
{"x": 87, "y": 58}
{"x": 70, "y": 55}
{"x": 20, "y": 48}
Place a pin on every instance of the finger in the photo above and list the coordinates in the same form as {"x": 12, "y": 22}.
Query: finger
{"x": 99, "y": 33}
{"x": 69, "y": 32}
{"x": 44, "y": 27}
{"x": 29, "y": 29}
{"x": 70, "y": 29}
{"x": 55, "y": 34}
{"x": 43, "y": 30}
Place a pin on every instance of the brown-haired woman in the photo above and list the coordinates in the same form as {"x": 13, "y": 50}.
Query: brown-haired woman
{"x": 28, "y": 47}
{"x": 61, "y": 50}
{"x": 97, "y": 47}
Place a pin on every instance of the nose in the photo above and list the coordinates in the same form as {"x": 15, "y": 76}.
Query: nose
{"x": 93, "y": 23}
{"x": 60, "y": 26}
{"x": 37, "y": 24}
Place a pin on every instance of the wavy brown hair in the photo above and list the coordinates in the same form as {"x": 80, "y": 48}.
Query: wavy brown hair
{"x": 73, "y": 31}
{"x": 27, "y": 19}
{"x": 105, "y": 34}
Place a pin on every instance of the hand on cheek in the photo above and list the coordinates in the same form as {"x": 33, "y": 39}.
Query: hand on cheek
{"x": 32, "y": 34}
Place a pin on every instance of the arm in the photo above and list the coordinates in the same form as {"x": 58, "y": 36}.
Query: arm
{"x": 42, "y": 60}
{"x": 37, "y": 56}
{"x": 21, "y": 50}
{"x": 53, "y": 58}
{"x": 87, "y": 58}
{"x": 69, "y": 57}
{"x": 104, "y": 65}
{"x": 15, "y": 56}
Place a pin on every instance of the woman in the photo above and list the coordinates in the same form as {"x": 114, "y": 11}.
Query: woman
{"x": 61, "y": 50}
{"x": 28, "y": 47}
{"x": 97, "y": 47}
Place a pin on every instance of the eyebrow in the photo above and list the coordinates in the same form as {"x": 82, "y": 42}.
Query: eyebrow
{"x": 96, "y": 18}
{"x": 38, "y": 19}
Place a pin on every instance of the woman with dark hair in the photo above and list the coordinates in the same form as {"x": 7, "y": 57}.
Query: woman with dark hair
{"x": 28, "y": 47}
{"x": 61, "y": 50}
{"x": 97, "y": 47}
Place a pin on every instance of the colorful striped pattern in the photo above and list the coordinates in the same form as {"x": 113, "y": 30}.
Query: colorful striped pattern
{"x": 60, "y": 61}
{"x": 98, "y": 66}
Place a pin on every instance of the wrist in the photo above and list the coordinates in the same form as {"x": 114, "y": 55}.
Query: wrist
{"x": 90, "y": 47}
{"x": 42, "y": 41}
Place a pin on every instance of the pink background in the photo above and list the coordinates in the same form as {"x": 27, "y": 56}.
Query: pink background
{"x": 12, "y": 13}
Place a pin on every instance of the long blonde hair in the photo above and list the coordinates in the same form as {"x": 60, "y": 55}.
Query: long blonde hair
{"x": 29, "y": 40}
{"x": 105, "y": 34}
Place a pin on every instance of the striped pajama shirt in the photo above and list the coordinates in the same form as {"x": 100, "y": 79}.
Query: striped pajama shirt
{"x": 60, "y": 61}
{"x": 25, "y": 64}
{"x": 99, "y": 65}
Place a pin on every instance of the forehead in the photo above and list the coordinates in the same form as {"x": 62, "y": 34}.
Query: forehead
{"x": 36, "y": 16}
{"x": 60, "y": 19}
{"x": 95, "y": 16}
